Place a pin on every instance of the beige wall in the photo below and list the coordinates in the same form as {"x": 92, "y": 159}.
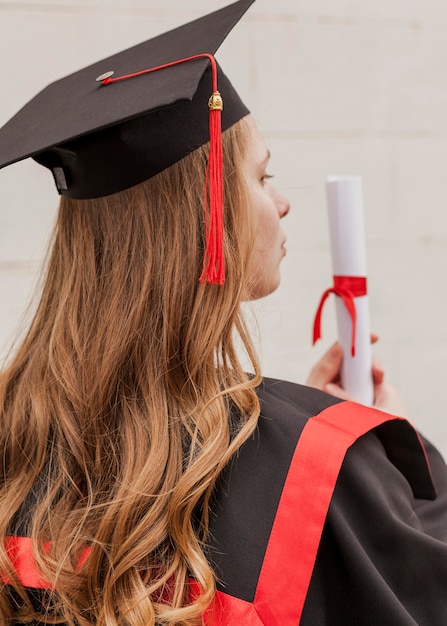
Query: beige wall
{"x": 338, "y": 86}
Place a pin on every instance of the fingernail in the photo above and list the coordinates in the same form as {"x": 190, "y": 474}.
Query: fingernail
{"x": 335, "y": 352}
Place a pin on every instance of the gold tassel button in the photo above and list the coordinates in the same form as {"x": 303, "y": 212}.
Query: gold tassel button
{"x": 215, "y": 103}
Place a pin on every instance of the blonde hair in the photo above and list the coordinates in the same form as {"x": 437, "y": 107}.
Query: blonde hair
{"x": 115, "y": 411}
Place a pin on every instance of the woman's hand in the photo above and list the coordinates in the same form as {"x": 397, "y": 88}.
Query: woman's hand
{"x": 325, "y": 375}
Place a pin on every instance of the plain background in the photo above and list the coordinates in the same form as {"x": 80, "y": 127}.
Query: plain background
{"x": 338, "y": 87}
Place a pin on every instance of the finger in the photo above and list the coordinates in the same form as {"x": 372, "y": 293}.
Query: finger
{"x": 337, "y": 391}
{"x": 327, "y": 369}
{"x": 387, "y": 399}
{"x": 374, "y": 338}
{"x": 378, "y": 373}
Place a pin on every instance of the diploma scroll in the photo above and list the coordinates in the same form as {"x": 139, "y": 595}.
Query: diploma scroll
{"x": 347, "y": 237}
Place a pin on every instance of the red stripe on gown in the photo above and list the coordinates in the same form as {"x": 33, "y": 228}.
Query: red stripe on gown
{"x": 293, "y": 544}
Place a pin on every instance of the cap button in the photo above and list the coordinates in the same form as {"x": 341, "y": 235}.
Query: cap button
{"x": 104, "y": 76}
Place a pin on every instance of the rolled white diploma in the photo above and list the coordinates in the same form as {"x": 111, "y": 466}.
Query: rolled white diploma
{"x": 347, "y": 236}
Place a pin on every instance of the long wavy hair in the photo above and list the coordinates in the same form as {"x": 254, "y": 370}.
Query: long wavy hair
{"x": 115, "y": 410}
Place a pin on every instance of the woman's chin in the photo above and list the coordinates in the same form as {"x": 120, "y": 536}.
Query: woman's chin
{"x": 264, "y": 288}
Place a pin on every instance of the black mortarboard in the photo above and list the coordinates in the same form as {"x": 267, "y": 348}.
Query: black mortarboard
{"x": 100, "y": 139}
{"x": 106, "y": 139}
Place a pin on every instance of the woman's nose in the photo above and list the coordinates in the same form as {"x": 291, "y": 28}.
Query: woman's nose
{"x": 283, "y": 205}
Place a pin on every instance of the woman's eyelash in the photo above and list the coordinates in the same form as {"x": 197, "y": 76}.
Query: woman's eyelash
{"x": 267, "y": 177}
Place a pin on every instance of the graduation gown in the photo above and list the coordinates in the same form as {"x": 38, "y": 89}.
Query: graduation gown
{"x": 328, "y": 515}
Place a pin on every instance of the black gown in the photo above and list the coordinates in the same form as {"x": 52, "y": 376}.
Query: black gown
{"x": 382, "y": 558}
{"x": 328, "y": 515}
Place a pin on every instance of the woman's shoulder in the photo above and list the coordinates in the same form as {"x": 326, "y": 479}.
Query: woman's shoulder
{"x": 290, "y": 405}
{"x": 276, "y": 394}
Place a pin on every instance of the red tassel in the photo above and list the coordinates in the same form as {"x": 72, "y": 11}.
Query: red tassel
{"x": 213, "y": 270}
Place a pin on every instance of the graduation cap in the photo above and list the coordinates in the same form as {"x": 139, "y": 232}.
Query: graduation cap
{"x": 126, "y": 118}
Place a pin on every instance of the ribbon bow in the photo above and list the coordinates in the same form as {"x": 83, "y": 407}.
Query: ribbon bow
{"x": 347, "y": 288}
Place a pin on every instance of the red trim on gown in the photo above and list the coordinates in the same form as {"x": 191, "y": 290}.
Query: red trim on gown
{"x": 293, "y": 544}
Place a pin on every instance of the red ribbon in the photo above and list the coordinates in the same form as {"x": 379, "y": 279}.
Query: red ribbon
{"x": 347, "y": 288}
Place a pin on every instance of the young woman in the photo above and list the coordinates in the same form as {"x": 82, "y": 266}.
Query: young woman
{"x": 146, "y": 478}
